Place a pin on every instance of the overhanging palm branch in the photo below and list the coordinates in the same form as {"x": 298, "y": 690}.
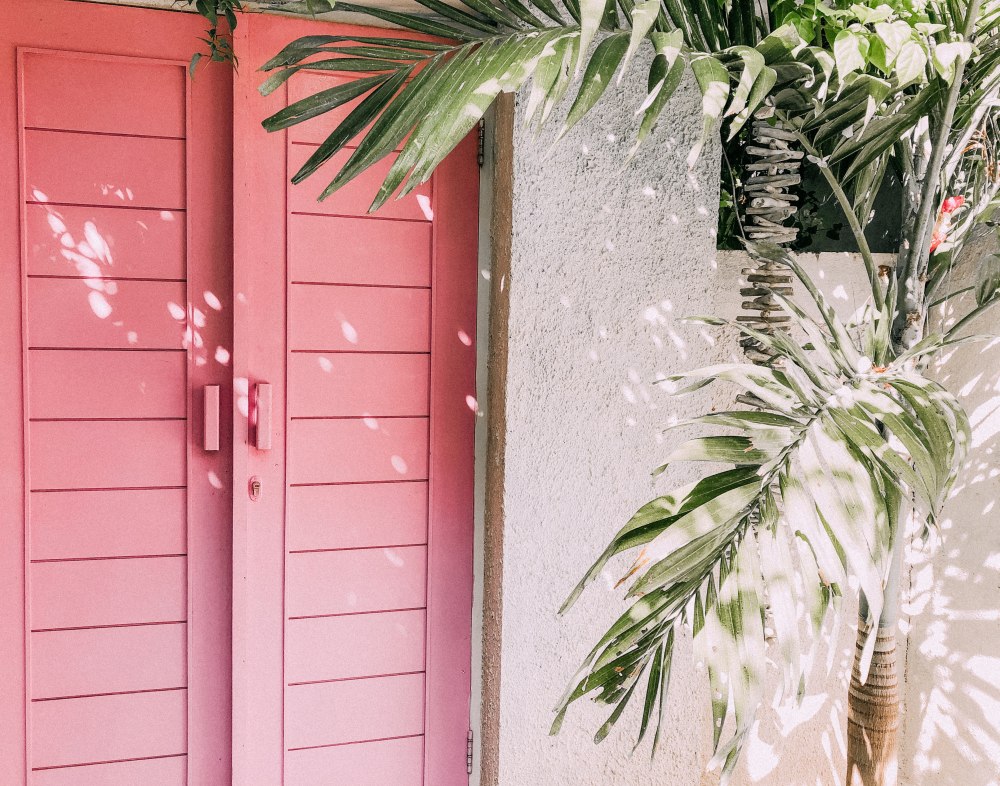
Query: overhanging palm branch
{"x": 821, "y": 470}
{"x": 436, "y": 90}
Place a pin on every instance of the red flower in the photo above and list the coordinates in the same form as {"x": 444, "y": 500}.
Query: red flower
{"x": 951, "y": 204}
{"x": 943, "y": 224}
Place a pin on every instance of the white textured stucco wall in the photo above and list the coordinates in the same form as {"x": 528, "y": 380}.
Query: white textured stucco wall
{"x": 606, "y": 260}
{"x": 952, "y": 723}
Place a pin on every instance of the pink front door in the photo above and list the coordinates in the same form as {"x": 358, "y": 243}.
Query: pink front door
{"x": 236, "y": 483}
{"x": 353, "y": 565}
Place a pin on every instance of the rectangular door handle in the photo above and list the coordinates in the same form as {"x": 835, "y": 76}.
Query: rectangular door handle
{"x": 211, "y": 417}
{"x": 263, "y": 435}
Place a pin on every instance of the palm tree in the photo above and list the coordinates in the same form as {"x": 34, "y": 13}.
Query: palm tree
{"x": 847, "y": 438}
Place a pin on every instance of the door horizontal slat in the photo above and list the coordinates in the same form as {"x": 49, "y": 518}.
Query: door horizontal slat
{"x": 397, "y": 762}
{"x": 90, "y": 169}
{"x": 307, "y": 83}
{"x": 88, "y": 593}
{"x": 107, "y": 454}
{"x": 347, "y": 582}
{"x": 108, "y": 660}
{"x": 105, "y": 242}
{"x": 106, "y": 314}
{"x": 348, "y": 384}
{"x": 359, "y": 319}
{"x": 108, "y": 728}
{"x": 356, "y": 516}
{"x": 357, "y": 645}
{"x": 106, "y": 384}
{"x": 356, "y": 197}
{"x": 356, "y": 251}
{"x": 163, "y": 771}
{"x": 351, "y": 451}
{"x": 356, "y": 710}
{"x": 54, "y": 83}
{"x": 111, "y": 523}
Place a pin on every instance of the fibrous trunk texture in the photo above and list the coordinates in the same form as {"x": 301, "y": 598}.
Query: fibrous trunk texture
{"x": 769, "y": 176}
{"x": 873, "y": 714}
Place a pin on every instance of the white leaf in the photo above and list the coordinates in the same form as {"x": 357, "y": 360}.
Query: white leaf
{"x": 847, "y": 51}
{"x": 910, "y": 62}
{"x": 945, "y": 57}
{"x": 643, "y": 17}
{"x": 591, "y": 14}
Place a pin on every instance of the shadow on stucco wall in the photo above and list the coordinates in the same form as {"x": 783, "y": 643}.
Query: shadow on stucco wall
{"x": 951, "y": 733}
{"x": 606, "y": 260}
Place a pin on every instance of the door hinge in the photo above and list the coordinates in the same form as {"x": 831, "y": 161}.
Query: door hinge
{"x": 481, "y": 153}
{"x": 468, "y": 753}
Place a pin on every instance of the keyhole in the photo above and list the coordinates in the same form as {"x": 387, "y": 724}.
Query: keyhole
{"x": 254, "y": 488}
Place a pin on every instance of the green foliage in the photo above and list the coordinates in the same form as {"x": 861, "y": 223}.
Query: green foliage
{"x": 218, "y": 37}
{"x": 823, "y": 467}
{"x": 222, "y": 17}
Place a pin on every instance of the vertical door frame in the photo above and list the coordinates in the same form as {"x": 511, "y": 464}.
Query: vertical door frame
{"x": 13, "y": 460}
{"x": 496, "y": 222}
{"x": 258, "y": 357}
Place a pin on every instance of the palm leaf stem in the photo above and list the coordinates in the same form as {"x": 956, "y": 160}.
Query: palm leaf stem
{"x": 911, "y": 293}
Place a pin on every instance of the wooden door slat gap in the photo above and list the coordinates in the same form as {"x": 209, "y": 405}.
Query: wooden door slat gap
{"x": 356, "y": 548}
{"x": 110, "y": 693}
{"x": 363, "y": 216}
{"x": 103, "y": 559}
{"x": 106, "y": 278}
{"x": 303, "y": 143}
{"x": 354, "y": 352}
{"x": 359, "y": 417}
{"x": 355, "y": 613}
{"x": 110, "y": 349}
{"x": 109, "y": 625}
{"x": 356, "y": 742}
{"x": 54, "y": 203}
{"x": 355, "y": 482}
{"x": 131, "y": 135}
{"x": 356, "y": 679}
{"x": 109, "y": 761}
{"x": 107, "y": 488}
{"x": 103, "y": 420}
{"x": 366, "y": 286}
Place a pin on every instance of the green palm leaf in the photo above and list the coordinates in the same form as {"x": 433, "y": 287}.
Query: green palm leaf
{"x": 494, "y": 46}
{"x": 820, "y": 479}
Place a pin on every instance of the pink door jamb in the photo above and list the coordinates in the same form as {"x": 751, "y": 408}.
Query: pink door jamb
{"x": 305, "y": 313}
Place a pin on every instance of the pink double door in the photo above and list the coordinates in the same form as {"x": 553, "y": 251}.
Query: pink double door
{"x": 236, "y": 445}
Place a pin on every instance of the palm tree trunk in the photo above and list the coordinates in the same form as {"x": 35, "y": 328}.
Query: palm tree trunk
{"x": 873, "y": 710}
{"x": 873, "y": 713}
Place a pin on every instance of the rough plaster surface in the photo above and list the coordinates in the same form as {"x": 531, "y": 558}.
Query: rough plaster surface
{"x": 605, "y": 261}
{"x": 951, "y": 732}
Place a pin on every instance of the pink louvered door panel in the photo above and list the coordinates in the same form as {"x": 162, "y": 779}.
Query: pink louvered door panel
{"x": 353, "y": 566}
{"x": 156, "y": 628}
{"x": 115, "y": 646}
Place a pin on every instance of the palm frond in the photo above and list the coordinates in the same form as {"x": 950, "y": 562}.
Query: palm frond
{"x": 821, "y": 471}
{"x": 468, "y": 54}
